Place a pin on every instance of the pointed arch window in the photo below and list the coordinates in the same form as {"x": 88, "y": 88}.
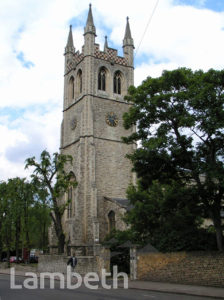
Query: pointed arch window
{"x": 69, "y": 211}
{"x": 71, "y": 88}
{"x": 71, "y": 205}
{"x": 102, "y": 79}
{"x": 111, "y": 217}
{"x": 79, "y": 81}
{"x": 117, "y": 82}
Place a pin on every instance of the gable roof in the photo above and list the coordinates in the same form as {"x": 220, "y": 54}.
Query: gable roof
{"x": 124, "y": 203}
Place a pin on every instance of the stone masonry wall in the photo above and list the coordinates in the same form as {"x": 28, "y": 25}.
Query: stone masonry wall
{"x": 105, "y": 206}
{"x": 58, "y": 263}
{"x": 113, "y": 169}
{"x": 197, "y": 268}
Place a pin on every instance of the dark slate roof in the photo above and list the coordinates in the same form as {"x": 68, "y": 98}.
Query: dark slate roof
{"x": 125, "y": 203}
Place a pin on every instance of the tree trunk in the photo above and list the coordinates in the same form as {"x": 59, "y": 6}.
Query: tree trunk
{"x": 44, "y": 237}
{"x": 61, "y": 236}
{"x": 8, "y": 239}
{"x": 0, "y": 249}
{"x": 57, "y": 220}
{"x": 17, "y": 238}
{"x": 26, "y": 225}
{"x": 61, "y": 243}
{"x": 8, "y": 256}
{"x": 1, "y": 243}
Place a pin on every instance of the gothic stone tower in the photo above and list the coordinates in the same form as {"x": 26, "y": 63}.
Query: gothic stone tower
{"x": 95, "y": 83}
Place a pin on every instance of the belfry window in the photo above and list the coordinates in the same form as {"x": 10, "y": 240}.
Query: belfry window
{"x": 117, "y": 82}
{"x": 111, "y": 217}
{"x": 102, "y": 79}
{"x": 71, "y": 88}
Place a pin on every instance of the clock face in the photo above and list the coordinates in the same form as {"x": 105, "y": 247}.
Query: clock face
{"x": 111, "y": 119}
{"x": 73, "y": 123}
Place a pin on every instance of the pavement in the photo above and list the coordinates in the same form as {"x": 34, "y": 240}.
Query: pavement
{"x": 204, "y": 291}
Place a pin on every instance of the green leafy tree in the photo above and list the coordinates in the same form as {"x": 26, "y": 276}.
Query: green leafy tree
{"x": 39, "y": 223}
{"x": 3, "y": 188}
{"x": 24, "y": 216}
{"x": 49, "y": 175}
{"x": 180, "y": 121}
{"x": 168, "y": 217}
{"x": 7, "y": 221}
{"x": 20, "y": 195}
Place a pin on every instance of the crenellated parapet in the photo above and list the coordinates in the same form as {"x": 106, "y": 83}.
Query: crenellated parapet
{"x": 92, "y": 50}
{"x": 110, "y": 55}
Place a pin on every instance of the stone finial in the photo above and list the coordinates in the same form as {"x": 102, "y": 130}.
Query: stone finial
{"x": 90, "y": 28}
{"x": 70, "y": 47}
{"x": 128, "y": 41}
{"x": 90, "y": 16}
{"x": 105, "y": 44}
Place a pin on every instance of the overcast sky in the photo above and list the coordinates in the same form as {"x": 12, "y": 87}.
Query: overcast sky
{"x": 33, "y": 34}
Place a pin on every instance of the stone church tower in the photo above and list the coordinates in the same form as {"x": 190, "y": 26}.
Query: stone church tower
{"x": 95, "y": 83}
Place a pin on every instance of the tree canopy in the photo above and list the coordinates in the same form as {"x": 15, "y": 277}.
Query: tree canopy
{"x": 52, "y": 180}
{"x": 180, "y": 131}
{"x": 24, "y": 218}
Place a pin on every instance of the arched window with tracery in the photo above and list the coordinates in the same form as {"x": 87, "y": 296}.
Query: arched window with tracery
{"x": 71, "y": 88}
{"x": 111, "y": 218}
{"x": 102, "y": 79}
{"x": 117, "y": 82}
{"x": 71, "y": 204}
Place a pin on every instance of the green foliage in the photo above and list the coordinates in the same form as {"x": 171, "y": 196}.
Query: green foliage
{"x": 180, "y": 121}
{"x": 167, "y": 216}
{"x": 22, "y": 217}
{"x": 26, "y": 208}
{"x": 39, "y": 222}
{"x": 52, "y": 181}
{"x": 49, "y": 176}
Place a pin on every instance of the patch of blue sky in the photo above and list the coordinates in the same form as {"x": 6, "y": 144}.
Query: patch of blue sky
{"x": 20, "y": 29}
{"x": 79, "y": 20}
{"x": 18, "y": 32}
{"x": 151, "y": 59}
{"x": 107, "y": 32}
{"x": 15, "y": 113}
{"x": 12, "y": 113}
{"x": 215, "y": 5}
{"x": 141, "y": 58}
{"x": 25, "y": 63}
{"x": 115, "y": 46}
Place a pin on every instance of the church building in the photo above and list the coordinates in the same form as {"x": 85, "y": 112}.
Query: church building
{"x": 95, "y": 83}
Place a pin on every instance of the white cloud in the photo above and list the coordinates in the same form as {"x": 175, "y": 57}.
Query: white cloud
{"x": 37, "y": 31}
{"x": 27, "y": 136}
